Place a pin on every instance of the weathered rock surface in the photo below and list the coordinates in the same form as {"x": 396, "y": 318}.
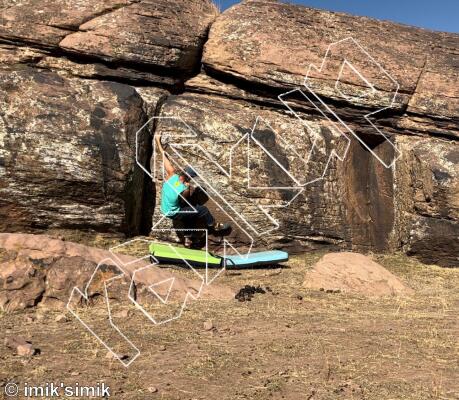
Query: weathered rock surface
{"x": 73, "y": 66}
{"x": 321, "y": 213}
{"x": 166, "y": 34}
{"x": 359, "y": 204}
{"x": 159, "y": 37}
{"x": 68, "y": 154}
{"x": 353, "y": 273}
{"x": 427, "y": 200}
{"x": 270, "y": 45}
{"x": 36, "y": 270}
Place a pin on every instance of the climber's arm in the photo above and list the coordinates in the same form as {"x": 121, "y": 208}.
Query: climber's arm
{"x": 170, "y": 170}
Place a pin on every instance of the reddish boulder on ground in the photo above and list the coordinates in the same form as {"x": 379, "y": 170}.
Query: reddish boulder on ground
{"x": 36, "y": 270}
{"x": 353, "y": 273}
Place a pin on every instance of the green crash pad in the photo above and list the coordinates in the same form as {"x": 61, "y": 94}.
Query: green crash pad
{"x": 165, "y": 253}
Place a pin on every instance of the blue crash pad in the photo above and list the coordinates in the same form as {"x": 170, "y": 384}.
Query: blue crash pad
{"x": 259, "y": 258}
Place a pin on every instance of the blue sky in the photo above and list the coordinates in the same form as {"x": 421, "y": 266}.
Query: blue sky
{"x": 442, "y": 15}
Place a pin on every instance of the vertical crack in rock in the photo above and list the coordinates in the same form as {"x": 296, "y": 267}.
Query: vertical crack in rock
{"x": 369, "y": 196}
{"x": 132, "y": 104}
{"x": 153, "y": 100}
{"x": 418, "y": 80}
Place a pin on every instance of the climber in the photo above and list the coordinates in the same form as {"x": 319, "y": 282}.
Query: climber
{"x": 176, "y": 187}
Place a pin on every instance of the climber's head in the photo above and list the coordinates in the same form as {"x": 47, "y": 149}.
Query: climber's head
{"x": 187, "y": 174}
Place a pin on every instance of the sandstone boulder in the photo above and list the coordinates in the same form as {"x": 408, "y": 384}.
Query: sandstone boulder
{"x": 260, "y": 49}
{"x": 36, "y": 270}
{"x": 166, "y": 34}
{"x": 162, "y": 38}
{"x": 324, "y": 211}
{"x": 353, "y": 273}
{"x": 67, "y": 153}
{"x": 356, "y": 203}
{"x": 80, "y": 78}
{"x": 267, "y": 45}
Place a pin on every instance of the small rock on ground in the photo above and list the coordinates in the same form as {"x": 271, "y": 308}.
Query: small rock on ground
{"x": 208, "y": 325}
{"x": 61, "y": 318}
{"x": 112, "y": 356}
{"x": 121, "y": 314}
{"x": 21, "y": 346}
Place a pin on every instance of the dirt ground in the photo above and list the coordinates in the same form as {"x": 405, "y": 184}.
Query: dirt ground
{"x": 289, "y": 343}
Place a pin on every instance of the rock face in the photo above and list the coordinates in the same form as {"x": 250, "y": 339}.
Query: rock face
{"x": 427, "y": 201}
{"x": 277, "y": 122}
{"x": 367, "y": 201}
{"x": 67, "y": 154}
{"x": 161, "y": 37}
{"x": 68, "y": 145}
{"x": 353, "y": 273}
{"x": 277, "y": 47}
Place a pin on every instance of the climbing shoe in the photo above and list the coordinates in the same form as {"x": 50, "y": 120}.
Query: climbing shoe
{"x": 188, "y": 243}
{"x": 218, "y": 227}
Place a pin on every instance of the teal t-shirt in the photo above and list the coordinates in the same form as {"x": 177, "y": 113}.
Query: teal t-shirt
{"x": 170, "y": 192}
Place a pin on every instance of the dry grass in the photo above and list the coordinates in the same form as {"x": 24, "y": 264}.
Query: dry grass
{"x": 325, "y": 346}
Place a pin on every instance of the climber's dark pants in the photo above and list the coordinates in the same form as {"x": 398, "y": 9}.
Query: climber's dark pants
{"x": 189, "y": 217}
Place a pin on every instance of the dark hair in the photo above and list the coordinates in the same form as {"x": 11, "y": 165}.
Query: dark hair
{"x": 185, "y": 176}
{"x": 188, "y": 173}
